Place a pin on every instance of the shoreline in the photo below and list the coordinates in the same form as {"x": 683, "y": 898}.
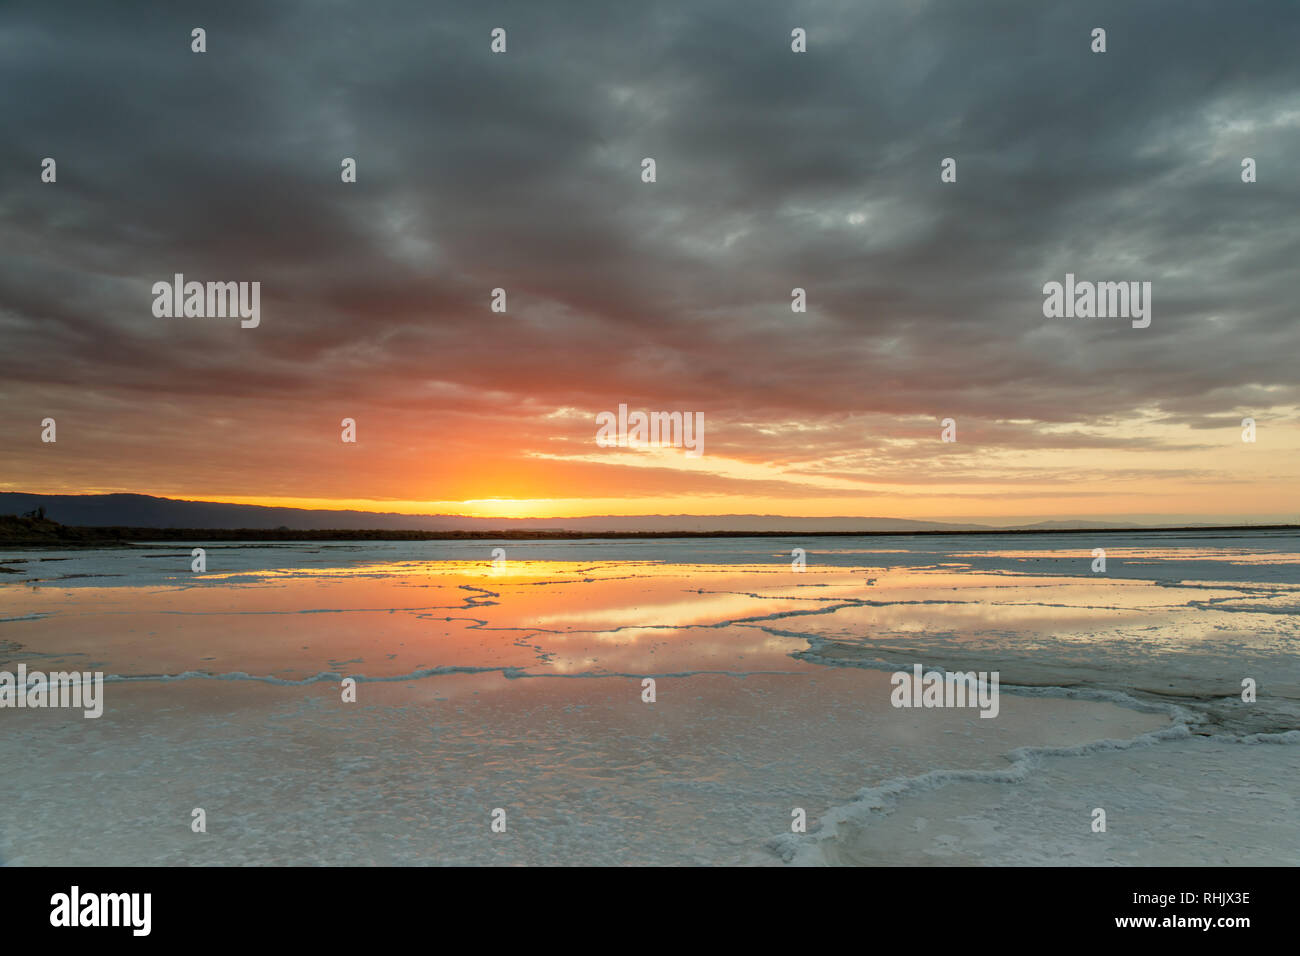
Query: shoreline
{"x": 89, "y": 536}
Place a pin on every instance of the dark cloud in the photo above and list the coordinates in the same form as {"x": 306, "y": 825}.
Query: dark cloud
{"x": 775, "y": 171}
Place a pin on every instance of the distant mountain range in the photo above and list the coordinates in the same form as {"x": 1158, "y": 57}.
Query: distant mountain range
{"x": 146, "y": 511}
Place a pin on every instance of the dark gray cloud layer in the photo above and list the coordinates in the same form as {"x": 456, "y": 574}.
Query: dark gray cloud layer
{"x": 775, "y": 170}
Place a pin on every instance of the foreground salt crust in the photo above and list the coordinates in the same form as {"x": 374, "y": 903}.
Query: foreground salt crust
{"x": 482, "y": 689}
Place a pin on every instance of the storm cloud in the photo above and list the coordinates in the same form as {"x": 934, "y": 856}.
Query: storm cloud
{"x": 521, "y": 170}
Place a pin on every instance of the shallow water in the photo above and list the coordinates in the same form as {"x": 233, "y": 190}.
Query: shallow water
{"x": 519, "y": 687}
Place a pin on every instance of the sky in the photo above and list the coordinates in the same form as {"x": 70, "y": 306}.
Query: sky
{"x": 774, "y": 170}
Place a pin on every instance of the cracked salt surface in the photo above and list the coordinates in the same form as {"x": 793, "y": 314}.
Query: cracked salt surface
{"x": 520, "y": 688}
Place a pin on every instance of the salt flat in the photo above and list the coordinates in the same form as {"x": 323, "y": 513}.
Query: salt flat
{"x": 521, "y": 687}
